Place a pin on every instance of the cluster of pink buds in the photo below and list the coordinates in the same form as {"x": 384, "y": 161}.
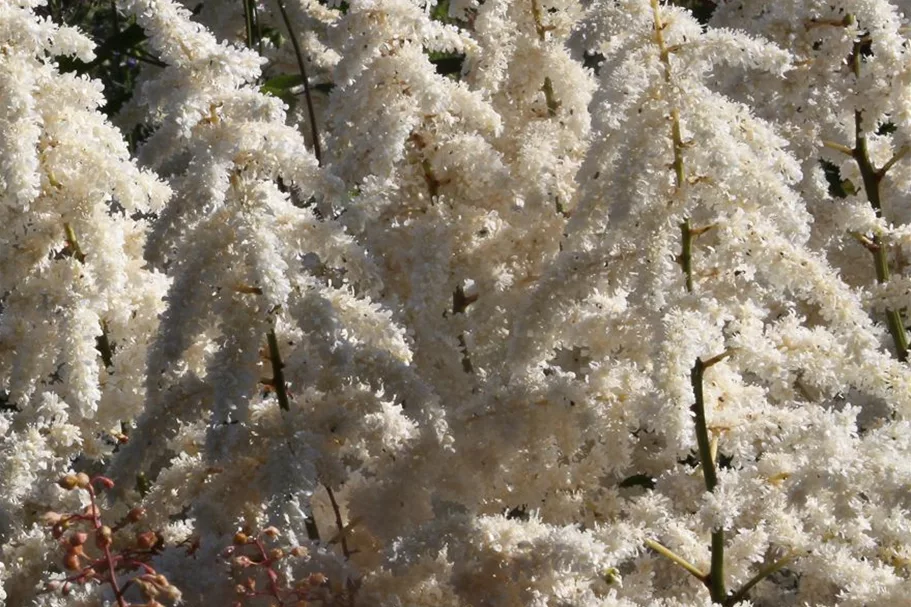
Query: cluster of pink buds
{"x": 89, "y": 548}
{"x": 256, "y": 555}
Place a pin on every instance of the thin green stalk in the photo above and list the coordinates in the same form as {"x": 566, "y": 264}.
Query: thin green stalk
{"x": 73, "y": 244}
{"x": 339, "y": 522}
{"x": 686, "y": 254}
{"x": 763, "y": 573}
{"x": 715, "y": 579}
{"x": 249, "y": 20}
{"x": 301, "y": 64}
{"x": 674, "y": 557}
{"x": 102, "y": 342}
{"x": 549, "y": 98}
{"x": 664, "y": 52}
{"x": 702, "y": 433}
{"x": 278, "y": 373}
{"x": 872, "y": 178}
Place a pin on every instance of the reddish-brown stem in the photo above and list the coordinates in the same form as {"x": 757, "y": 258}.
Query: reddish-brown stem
{"x": 109, "y": 558}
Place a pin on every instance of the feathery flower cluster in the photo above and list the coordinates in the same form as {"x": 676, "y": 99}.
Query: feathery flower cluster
{"x": 509, "y": 303}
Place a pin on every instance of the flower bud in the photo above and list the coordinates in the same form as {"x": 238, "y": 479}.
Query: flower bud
{"x": 149, "y": 591}
{"x": 171, "y": 592}
{"x": 276, "y": 554}
{"x": 71, "y": 560}
{"x": 240, "y": 538}
{"x": 105, "y": 482}
{"x": 146, "y": 540}
{"x": 68, "y": 482}
{"x": 51, "y": 518}
{"x": 78, "y": 538}
{"x": 83, "y": 481}
{"x": 136, "y": 514}
{"x": 103, "y": 537}
{"x": 271, "y": 532}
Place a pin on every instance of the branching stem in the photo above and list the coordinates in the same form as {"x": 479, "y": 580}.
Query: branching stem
{"x": 763, "y": 573}
{"x": 339, "y": 522}
{"x": 664, "y": 52}
{"x": 872, "y": 178}
{"x": 676, "y": 558}
{"x": 302, "y": 66}
{"x": 715, "y": 578}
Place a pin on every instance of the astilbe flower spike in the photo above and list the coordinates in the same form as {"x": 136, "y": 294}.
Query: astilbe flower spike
{"x": 513, "y": 303}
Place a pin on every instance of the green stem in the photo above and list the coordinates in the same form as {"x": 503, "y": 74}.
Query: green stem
{"x": 73, "y": 244}
{"x": 664, "y": 54}
{"x": 102, "y": 342}
{"x": 541, "y": 30}
{"x": 249, "y": 18}
{"x": 103, "y": 345}
{"x": 763, "y": 573}
{"x": 674, "y": 557}
{"x": 549, "y": 98}
{"x": 301, "y": 64}
{"x": 715, "y": 579}
{"x": 339, "y": 522}
{"x": 686, "y": 254}
{"x": 716, "y": 574}
{"x": 872, "y": 178}
{"x": 702, "y": 433}
{"x": 278, "y": 373}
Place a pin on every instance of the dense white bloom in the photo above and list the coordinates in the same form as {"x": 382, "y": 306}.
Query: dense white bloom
{"x": 517, "y": 303}
{"x": 78, "y": 307}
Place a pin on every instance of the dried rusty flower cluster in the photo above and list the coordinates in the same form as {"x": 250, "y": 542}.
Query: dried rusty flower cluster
{"x": 256, "y": 556}
{"x": 117, "y": 555}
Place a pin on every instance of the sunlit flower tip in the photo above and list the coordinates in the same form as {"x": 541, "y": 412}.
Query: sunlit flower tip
{"x": 69, "y": 482}
{"x": 240, "y": 538}
{"x": 103, "y": 536}
{"x": 316, "y": 579}
{"x": 78, "y": 538}
{"x": 51, "y": 518}
{"x": 271, "y": 532}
